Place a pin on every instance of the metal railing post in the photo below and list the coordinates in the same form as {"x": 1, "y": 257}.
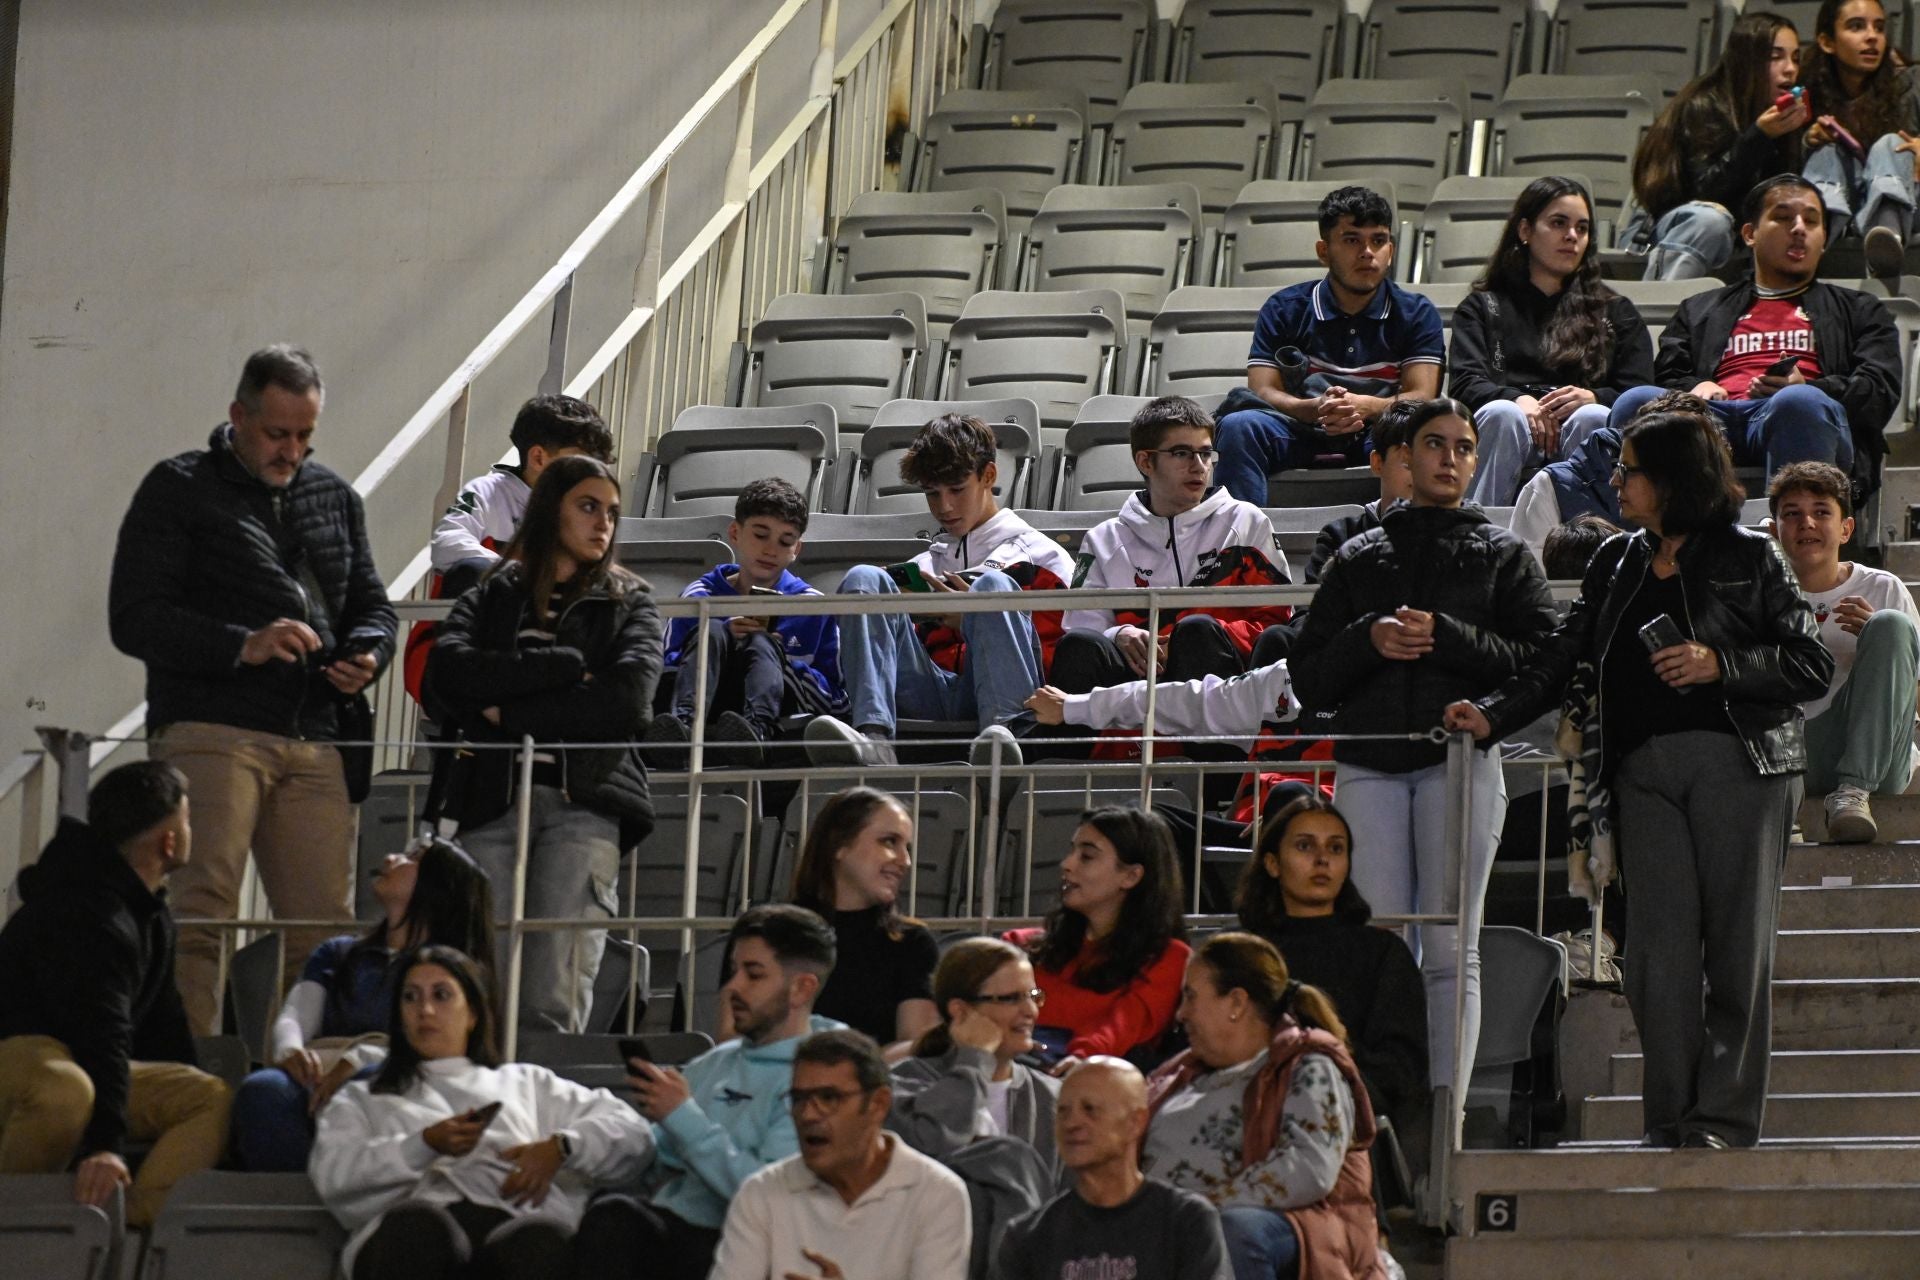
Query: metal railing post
{"x": 696, "y": 781}
{"x": 516, "y": 937}
{"x": 555, "y": 376}
{"x": 1153, "y": 701}
{"x": 1458, "y": 834}
{"x": 453, "y": 473}
{"x": 69, "y": 750}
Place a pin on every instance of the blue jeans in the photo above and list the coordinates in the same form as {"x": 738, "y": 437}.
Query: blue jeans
{"x": 1864, "y": 190}
{"x": 1795, "y": 424}
{"x": 1254, "y": 444}
{"x": 1260, "y": 1243}
{"x": 1507, "y": 450}
{"x": 1689, "y": 241}
{"x": 889, "y": 673}
{"x": 272, "y": 1132}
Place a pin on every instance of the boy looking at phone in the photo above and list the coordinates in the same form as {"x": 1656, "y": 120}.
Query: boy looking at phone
{"x": 759, "y": 668}
{"x": 973, "y": 666}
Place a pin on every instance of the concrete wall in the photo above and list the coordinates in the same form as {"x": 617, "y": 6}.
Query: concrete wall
{"x": 377, "y": 180}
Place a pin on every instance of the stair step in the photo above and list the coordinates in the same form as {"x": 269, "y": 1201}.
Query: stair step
{"x": 1871, "y": 906}
{"x": 1887, "y": 863}
{"x": 1858, "y": 1070}
{"x": 1830, "y": 1256}
{"x": 1846, "y": 953}
{"x": 1865, "y": 1013}
{"x": 1898, "y": 818}
{"x": 1893, "y": 1162}
{"x": 1663, "y": 1213}
{"x": 1789, "y": 1115}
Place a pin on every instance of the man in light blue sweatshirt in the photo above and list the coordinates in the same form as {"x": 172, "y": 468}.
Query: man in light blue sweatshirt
{"x": 727, "y": 1116}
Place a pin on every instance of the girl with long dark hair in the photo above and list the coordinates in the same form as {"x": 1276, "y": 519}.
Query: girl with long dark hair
{"x": 1719, "y": 135}
{"x": 1541, "y": 348}
{"x": 1110, "y": 955}
{"x": 560, "y": 643}
{"x": 451, "y": 1164}
{"x": 1859, "y": 94}
{"x": 333, "y": 1023}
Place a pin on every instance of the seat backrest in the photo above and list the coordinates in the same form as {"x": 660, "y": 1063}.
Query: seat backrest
{"x": 559, "y": 1049}
{"x": 702, "y": 460}
{"x": 1297, "y": 529}
{"x": 1096, "y": 466}
{"x": 253, "y": 982}
{"x": 1657, "y": 300}
{"x": 942, "y": 245}
{"x": 1461, "y": 225}
{"x": 1137, "y": 241}
{"x": 1100, "y": 47}
{"x": 1444, "y": 296}
{"x": 1409, "y": 133}
{"x": 653, "y": 876}
{"x": 854, "y": 362}
{"x": 1518, "y": 972}
{"x": 1015, "y": 410}
{"x": 1054, "y": 349}
{"x": 1068, "y": 528}
{"x": 225, "y": 1057}
{"x": 1674, "y": 40}
{"x": 883, "y": 490}
{"x": 47, "y": 1235}
{"x": 1020, "y": 143}
{"x": 1217, "y": 137}
{"x": 943, "y": 818}
{"x": 1198, "y": 344}
{"x": 1593, "y": 124}
{"x": 1484, "y": 42}
{"x": 1291, "y": 45}
{"x": 1038, "y": 830}
{"x": 230, "y": 1226}
{"x": 1268, "y": 234}
{"x": 825, "y": 561}
{"x": 668, "y": 565}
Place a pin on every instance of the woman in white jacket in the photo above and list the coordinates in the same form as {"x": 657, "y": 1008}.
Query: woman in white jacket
{"x": 430, "y": 1184}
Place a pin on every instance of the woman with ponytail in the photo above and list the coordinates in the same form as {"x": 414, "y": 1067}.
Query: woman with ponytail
{"x": 1266, "y": 1116}
{"x": 963, "y": 1082}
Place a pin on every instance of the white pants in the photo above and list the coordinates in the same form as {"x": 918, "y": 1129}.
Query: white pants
{"x": 1401, "y": 866}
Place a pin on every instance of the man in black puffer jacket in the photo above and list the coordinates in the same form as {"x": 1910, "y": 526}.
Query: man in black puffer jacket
{"x": 244, "y": 581}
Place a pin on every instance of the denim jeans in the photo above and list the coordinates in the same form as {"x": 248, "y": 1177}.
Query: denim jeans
{"x": 1402, "y": 867}
{"x": 1260, "y": 1243}
{"x": 1254, "y": 444}
{"x": 1865, "y": 736}
{"x": 753, "y": 667}
{"x": 1507, "y": 450}
{"x": 1691, "y": 240}
{"x": 1795, "y": 424}
{"x": 1863, "y": 190}
{"x": 573, "y": 861}
{"x": 272, "y": 1131}
{"x": 889, "y": 673}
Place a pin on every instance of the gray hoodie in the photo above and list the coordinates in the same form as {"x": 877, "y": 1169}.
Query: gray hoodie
{"x": 936, "y": 1103}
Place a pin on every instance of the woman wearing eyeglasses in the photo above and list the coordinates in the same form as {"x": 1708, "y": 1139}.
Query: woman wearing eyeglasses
{"x": 962, "y": 1081}
{"x": 1684, "y": 663}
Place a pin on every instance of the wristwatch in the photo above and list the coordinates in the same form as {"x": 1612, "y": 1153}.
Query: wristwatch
{"x": 566, "y": 1146}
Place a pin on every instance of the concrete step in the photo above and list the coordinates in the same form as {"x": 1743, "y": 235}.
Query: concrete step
{"x": 1857, "y": 1071}
{"x": 1872, "y": 906}
{"x": 1846, "y": 953}
{"x": 1876, "y": 1013}
{"x": 1656, "y": 1213}
{"x": 1789, "y": 1115}
{"x": 1893, "y": 862}
{"x": 1898, "y": 818}
{"x": 1863, "y": 1256}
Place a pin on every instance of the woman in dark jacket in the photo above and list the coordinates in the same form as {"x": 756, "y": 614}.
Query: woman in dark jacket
{"x": 1435, "y": 605}
{"x": 1691, "y": 640}
{"x": 560, "y": 643}
{"x": 1541, "y": 347}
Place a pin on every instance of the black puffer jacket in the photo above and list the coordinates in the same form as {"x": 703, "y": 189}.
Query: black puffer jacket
{"x": 611, "y": 634}
{"x": 88, "y": 960}
{"x": 1491, "y": 608}
{"x": 1741, "y": 599}
{"x": 208, "y": 553}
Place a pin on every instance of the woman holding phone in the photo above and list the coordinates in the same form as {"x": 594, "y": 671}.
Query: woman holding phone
{"x": 1695, "y": 648}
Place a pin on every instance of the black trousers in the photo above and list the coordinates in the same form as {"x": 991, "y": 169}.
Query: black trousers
{"x": 625, "y": 1236}
{"x": 461, "y": 1241}
{"x": 744, "y": 673}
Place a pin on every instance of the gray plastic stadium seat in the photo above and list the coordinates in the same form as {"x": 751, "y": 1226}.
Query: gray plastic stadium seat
{"x": 224, "y": 1057}
{"x": 1519, "y": 973}
{"x": 1292, "y": 45}
{"x": 852, "y": 351}
{"x": 1405, "y": 132}
{"x": 1139, "y": 242}
{"x": 1100, "y": 47}
{"x": 654, "y": 875}
{"x": 1067, "y": 528}
{"x": 1198, "y": 343}
{"x": 702, "y": 460}
{"x": 1674, "y": 40}
{"x": 669, "y": 565}
{"x": 1269, "y": 232}
{"x": 1216, "y": 137}
{"x": 1803, "y": 14}
{"x": 1484, "y": 42}
{"x": 1020, "y": 143}
{"x": 1054, "y": 349}
{"x": 240, "y": 1226}
{"x": 253, "y": 982}
{"x": 879, "y": 488}
{"x": 942, "y": 823}
{"x": 1096, "y": 466}
{"x": 44, "y": 1234}
{"x": 1657, "y": 300}
{"x": 1298, "y": 528}
{"x": 1051, "y": 816}
{"x": 942, "y": 245}
{"x": 1575, "y": 124}
{"x": 626, "y": 971}
{"x": 558, "y": 1050}
{"x": 1444, "y": 297}
{"x": 1461, "y": 225}
{"x": 826, "y": 560}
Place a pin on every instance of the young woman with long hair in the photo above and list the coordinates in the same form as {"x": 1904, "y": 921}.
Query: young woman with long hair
{"x": 1717, "y": 137}
{"x": 1109, "y": 957}
{"x": 1856, "y": 89}
{"x": 561, "y": 643}
{"x": 332, "y": 1025}
{"x": 1541, "y": 348}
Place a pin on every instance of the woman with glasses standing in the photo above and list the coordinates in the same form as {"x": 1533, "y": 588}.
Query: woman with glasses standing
{"x": 963, "y": 1081}
{"x": 1692, "y": 649}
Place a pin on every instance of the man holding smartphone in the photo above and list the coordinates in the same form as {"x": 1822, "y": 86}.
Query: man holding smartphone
{"x": 243, "y": 579}
{"x": 1793, "y": 369}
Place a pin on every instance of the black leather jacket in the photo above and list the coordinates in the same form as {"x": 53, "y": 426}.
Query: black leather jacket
{"x": 1741, "y": 599}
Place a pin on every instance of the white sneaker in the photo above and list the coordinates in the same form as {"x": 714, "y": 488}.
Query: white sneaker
{"x": 1885, "y": 253}
{"x": 832, "y": 741}
{"x": 995, "y": 740}
{"x": 1849, "y": 817}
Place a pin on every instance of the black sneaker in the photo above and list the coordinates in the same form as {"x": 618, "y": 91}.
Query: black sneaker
{"x": 664, "y": 744}
{"x": 733, "y": 742}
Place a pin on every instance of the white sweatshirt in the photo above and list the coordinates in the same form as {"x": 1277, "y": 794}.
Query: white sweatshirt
{"x": 368, "y": 1154}
{"x": 482, "y": 520}
{"x": 1001, "y": 541}
{"x": 1208, "y": 707}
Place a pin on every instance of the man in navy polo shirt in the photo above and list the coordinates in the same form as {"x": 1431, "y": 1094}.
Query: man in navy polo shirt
{"x": 1329, "y": 356}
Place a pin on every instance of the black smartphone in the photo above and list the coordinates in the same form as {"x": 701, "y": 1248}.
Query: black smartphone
{"x": 633, "y": 1047}
{"x": 764, "y": 591}
{"x": 485, "y": 1114}
{"x": 1662, "y": 633}
{"x": 1783, "y": 366}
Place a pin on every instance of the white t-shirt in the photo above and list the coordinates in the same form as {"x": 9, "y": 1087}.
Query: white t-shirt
{"x": 997, "y": 1091}
{"x": 1878, "y": 588}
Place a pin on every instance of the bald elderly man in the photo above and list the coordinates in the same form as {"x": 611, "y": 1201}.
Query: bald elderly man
{"x": 1115, "y": 1221}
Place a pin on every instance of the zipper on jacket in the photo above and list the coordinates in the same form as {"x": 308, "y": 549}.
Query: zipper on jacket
{"x": 1740, "y": 737}
{"x": 1173, "y": 548}
{"x": 275, "y": 498}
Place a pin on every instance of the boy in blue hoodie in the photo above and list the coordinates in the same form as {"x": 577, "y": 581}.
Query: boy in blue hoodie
{"x": 758, "y": 668}
{"x": 727, "y": 1116}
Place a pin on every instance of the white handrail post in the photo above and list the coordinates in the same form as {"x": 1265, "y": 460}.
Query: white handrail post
{"x": 454, "y": 473}
{"x": 69, "y": 749}
{"x": 646, "y": 297}
{"x": 1153, "y": 700}
{"x": 813, "y": 211}
{"x": 696, "y": 775}
{"x": 556, "y": 375}
{"x": 516, "y": 935}
{"x": 723, "y": 326}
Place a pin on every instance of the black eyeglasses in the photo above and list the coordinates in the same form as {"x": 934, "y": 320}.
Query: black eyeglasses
{"x": 1011, "y": 998}
{"x": 1621, "y": 471}
{"x": 828, "y": 1099}
{"x": 1185, "y": 457}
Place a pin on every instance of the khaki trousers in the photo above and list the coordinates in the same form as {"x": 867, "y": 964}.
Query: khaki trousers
{"x": 283, "y": 799}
